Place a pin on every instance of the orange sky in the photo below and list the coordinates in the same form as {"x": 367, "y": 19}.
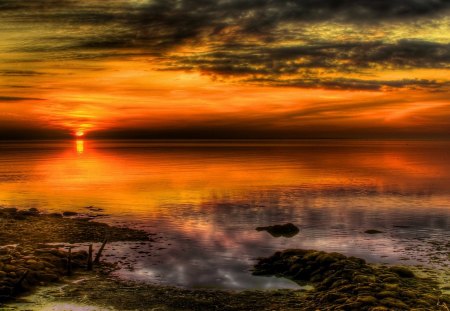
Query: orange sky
{"x": 237, "y": 69}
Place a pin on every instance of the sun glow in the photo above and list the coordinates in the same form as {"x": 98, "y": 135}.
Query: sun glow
{"x": 79, "y": 133}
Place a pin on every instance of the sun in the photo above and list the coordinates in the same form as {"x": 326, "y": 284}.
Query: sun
{"x": 79, "y": 133}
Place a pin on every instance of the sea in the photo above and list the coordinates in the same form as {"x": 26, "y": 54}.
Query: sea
{"x": 201, "y": 201}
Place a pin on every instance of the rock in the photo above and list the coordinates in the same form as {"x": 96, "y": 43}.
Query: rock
{"x": 69, "y": 213}
{"x": 348, "y": 283}
{"x": 387, "y": 293}
{"x": 364, "y": 278}
{"x": 288, "y": 230}
{"x": 367, "y": 299}
{"x": 402, "y": 271}
{"x": 31, "y": 262}
{"x": 372, "y": 231}
{"x": 430, "y": 298}
{"x": 394, "y": 303}
{"x": 391, "y": 280}
{"x": 31, "y": 212}
{"x": 9, "y": 268}
{"x": 19, "y": 216}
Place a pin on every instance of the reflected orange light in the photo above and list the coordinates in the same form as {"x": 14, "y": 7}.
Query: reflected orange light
{"x": 80, "y": 146}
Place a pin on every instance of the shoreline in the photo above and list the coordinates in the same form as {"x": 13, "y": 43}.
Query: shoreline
{"x": 36, "y": 248}
{"x": 30, "y": 231}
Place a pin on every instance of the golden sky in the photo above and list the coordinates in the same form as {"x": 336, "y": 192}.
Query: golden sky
{"x": 225, "y": 68}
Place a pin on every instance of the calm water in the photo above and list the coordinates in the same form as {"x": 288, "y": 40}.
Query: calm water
{"x": 206, "y": 199}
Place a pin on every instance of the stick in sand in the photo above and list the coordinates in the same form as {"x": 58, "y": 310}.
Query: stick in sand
{"x": 99, "y": 254}
{"x": 89, "y": 263}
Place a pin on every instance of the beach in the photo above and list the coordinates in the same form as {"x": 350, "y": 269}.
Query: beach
{"x": 32, "y": 263}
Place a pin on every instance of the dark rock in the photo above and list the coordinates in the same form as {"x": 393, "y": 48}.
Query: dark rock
{"x": 288, "y": 230}
{"x": 69, "y": 213}
{"x": 55, "y": 215}
{"x": 24, "y": 214}
{"x": 372, "y": 231}
{"x": 402, "y": 271}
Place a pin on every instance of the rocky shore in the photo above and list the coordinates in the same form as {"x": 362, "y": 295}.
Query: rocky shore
{"x": 349, "y": 283}
{"x": 30, "y": 259}
{"x": 27, "y": 261}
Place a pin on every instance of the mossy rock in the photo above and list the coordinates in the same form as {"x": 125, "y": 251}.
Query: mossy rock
{"x": 353, "y": 281}
{"x": 367, "y": 299}
{"x": 387, "y": 293}
{"x": 402, "y": 271}
{"x": 394, "y": 303}
{"x": 391, "y": 280}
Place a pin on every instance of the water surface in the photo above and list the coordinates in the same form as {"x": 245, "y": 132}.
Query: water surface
{"x": 205, "y": 200}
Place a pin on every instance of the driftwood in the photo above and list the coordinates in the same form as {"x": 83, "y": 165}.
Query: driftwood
{"x": 89, "y": 262}
{"x": 99, "y": 254}
{"x": 69, "y": 262}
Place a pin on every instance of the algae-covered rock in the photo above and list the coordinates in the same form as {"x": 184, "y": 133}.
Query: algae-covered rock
{"x": 349, "y": 283}
{"x": 288, "y": 230}
{"x": 395, "y": 303}
{"x": 367, "y": 299}
{"x": 402, "y": 271}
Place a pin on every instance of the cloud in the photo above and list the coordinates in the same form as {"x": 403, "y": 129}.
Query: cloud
{"x": 356, "y": 84}
{"x": 329, "y": 55}
{"x": 305, "y": 65}
{"x": 19, "y": 73}
{"x": 253, "y": 40}
{"x": 17, "y": 98}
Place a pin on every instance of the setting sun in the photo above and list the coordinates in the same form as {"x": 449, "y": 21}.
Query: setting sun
{"x": 79, "y": 134}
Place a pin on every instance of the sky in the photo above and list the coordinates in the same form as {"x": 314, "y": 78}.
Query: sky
{"x": 225, "y": 69}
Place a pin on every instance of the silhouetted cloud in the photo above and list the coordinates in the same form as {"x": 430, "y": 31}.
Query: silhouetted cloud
{"x": 356, "y": 84}
{"x": 19, "y": 73}
{"x": 261, "y": 38}
{"x": 16, "y": 98}
{"x": 240, "y": 38}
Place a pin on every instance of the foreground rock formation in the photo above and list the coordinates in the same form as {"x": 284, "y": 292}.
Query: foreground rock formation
{"x": 348, "y": 283}
{"x": 26, "y": 261}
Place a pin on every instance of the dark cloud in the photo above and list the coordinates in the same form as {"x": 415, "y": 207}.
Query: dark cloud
{"x": 16, "y": 98}
{"x": 303, "y": 63}
{"x": 334, "y": 56}
{"x": 355, "y": 84}
{"x": 20, "y": 73}
{"x": 346, "y": 10}
{"x": 121, "y": 29}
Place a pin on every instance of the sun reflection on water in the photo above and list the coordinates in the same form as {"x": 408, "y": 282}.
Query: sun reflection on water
{"x": 80, "y": 146}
